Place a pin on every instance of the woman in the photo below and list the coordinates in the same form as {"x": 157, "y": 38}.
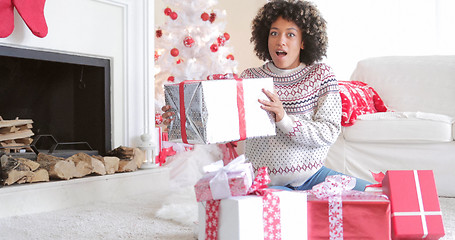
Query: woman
{"x": 291, "y": 37}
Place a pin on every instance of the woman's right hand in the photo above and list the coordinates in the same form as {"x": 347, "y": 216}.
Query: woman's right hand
{"x": 167, "y": 116}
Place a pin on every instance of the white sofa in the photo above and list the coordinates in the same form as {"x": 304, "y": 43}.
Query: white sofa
{"x": 418, "y": 134}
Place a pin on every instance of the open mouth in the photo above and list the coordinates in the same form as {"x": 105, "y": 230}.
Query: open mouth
{"x": 281, "y": 53}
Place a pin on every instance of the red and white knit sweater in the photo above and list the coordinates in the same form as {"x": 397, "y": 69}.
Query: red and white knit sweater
{"x": 312, "y": 123}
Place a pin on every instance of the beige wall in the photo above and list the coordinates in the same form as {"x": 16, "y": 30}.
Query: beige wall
{"x": 237, "y": 25}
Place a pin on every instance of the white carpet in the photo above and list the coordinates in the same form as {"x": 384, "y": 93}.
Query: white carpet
{"x": 133, "y": 218}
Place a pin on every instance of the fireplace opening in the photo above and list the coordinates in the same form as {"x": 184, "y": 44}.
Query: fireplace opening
{"x": 67, "y": 96}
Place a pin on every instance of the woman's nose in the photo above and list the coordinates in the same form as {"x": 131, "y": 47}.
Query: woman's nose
{"x": 281, "y": 40}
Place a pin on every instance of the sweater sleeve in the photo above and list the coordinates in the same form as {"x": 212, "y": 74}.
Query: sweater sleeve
{"x": 324, "y": 126}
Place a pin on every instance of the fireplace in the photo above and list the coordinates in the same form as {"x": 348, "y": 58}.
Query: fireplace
{"x": 67, "y": 96}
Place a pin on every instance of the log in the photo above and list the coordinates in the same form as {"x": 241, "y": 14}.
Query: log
{"x": 83, "y": 164}
{"x": 122, "y": 152}
{"x": 40, "y": 175}
{"x": 133, "y": 163}
{"x": 16, "y": 122}
{"x": 15, "y": 135}
{"x": 29, "y": 163}
{"x": 9, "y": 163}
{"x": 139, "y": 157}
{"x": 15, "y": 176}
{"x": 58, "y": 168}
{"x": 8, "y": 129}
{"x": 111, "y": 164}
{"x": 98, "y": 166}
{"x": 25, "y": 141}
{"x": 19, "y": 170}
{"x": 127, "y": 166}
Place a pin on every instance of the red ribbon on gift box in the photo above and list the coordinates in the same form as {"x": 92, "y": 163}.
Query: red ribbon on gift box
{"x": 271, "y": 212}
{"x": 271, "y": 209}
{"x": 240, "y": 107}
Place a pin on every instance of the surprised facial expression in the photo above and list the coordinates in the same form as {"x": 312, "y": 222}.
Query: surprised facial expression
{"x": 285, "y": 42}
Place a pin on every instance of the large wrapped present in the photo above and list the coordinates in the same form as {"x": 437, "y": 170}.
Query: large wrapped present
{"x": 219, "y": 182}
{"x": 265, "y": 214}
{"x": 336, "y": 212}
{"x": 218, "y": 111}
{"x": 415, "y": 204}
{"x": 242, "y": 218}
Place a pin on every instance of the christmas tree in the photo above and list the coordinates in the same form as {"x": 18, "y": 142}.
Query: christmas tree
{"x": 192, "y": 44}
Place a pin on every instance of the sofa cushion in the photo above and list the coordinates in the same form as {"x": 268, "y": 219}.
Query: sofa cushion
{"x": 358, "y": 98}
{"x": 401, "y": 127}
{"x": 411, "y": 83}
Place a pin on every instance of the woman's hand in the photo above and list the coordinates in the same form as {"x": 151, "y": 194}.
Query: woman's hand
{"x": 274, "y": 105}
{"x": 167, "y": 116}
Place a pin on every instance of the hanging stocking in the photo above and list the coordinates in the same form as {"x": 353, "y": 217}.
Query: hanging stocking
{"x": 32, "y": 11}
{"x": 6, "y": 18}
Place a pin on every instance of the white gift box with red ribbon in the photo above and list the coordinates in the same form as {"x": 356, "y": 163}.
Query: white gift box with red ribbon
{"x": 218, "y": 111}
{"x": 241, "y": 217}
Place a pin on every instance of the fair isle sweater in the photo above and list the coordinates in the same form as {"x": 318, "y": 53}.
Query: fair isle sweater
{"x": 312, "y": 123}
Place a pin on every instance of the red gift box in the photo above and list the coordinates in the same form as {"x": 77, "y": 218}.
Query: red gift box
{"x": 238, "y": 185}
{"x": 414, "y": 203}
{"x": 234, "y": 179}
{"x": 365, "y": 216}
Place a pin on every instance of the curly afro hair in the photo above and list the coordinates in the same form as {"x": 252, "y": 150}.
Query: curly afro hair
{"x": 305, "y": 15}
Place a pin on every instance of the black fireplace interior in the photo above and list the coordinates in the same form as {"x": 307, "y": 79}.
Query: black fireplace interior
{"x": 66, "y": 96}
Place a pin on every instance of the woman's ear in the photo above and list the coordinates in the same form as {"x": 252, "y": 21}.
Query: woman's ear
{"x": 302, "y": 45}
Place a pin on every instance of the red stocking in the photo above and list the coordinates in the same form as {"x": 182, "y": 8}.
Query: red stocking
{"x": 32, "y": 11}
{"x": 6, "y": 18}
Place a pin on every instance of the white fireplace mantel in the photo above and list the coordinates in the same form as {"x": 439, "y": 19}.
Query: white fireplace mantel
{"x": 119, "y": 30}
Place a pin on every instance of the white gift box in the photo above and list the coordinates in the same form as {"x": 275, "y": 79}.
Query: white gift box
{"x": 240, "y": 218}
{"x": 212, "y": 112}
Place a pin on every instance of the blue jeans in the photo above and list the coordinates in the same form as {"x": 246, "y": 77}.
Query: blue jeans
{"x": 319, "y": 177}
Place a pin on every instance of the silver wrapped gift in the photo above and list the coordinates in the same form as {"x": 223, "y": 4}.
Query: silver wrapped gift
{"x": 211, "y": 110}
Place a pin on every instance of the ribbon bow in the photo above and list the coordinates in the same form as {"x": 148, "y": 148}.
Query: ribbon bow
{"x": 165, "y": 152}
{"x": 378, "y": 177}
{"x": 332, "y": 189}
{"x": 260, "y": 181}
{"x": 333, "y": 186}
{"x": 219, "y": 184}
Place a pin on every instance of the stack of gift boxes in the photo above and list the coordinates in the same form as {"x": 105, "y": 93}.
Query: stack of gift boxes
{"x": 234, "y": 206}
{"x": 408, "y": 208}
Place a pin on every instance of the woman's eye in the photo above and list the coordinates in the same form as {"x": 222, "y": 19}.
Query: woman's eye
{"x": 273, "y": 33}
{"x": 291, "y": 34}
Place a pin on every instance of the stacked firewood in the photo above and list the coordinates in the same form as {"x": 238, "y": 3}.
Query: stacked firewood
{"x": 15, "y": 135}
{"x": 21, "y": 170}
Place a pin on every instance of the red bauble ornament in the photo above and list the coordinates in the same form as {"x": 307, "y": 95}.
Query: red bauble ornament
{"x": 212, "y": 17}
{"x": 158, "y": 119}
{"x": 170, "y": 79}
{"x": 173, "y": 15}
{"x": 214, "y": 47}
{"x": 179, "y": 61}
{"x": 167, "y": 11}
{"x": 227, "y": 36}
{"x": 205, "y": 16}
{"x": 221, "y": 40}
{"x": 174, "y": 52}
{"x": 159, "y": 33}
{"x": 230, "y": 57}
{"x": 156, "y": 55}
{"x": 188, "y": 41}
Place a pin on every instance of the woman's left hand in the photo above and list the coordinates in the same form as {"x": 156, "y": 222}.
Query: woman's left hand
{"x": 274, "y": 105}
